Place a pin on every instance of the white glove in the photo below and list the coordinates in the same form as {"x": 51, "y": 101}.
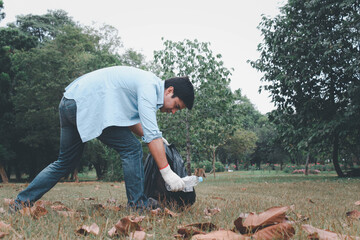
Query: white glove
{"x": 175, "y": 182}
{"x": 165, "y": 141}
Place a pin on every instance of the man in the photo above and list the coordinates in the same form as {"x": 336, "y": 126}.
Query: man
{"x": 110, "y": 104}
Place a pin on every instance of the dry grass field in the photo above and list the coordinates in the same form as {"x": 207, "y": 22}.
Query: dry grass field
{"x": 324, "y": 199}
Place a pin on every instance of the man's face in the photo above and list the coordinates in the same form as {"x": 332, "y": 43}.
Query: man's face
{"x": 171, "y": 105}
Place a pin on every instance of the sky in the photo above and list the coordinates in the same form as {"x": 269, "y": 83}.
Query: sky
{"x": 230, "y": 26}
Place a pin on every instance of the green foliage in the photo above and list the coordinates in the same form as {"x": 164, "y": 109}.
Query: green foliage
{"x": 310, "y": 57}
{"x": 208, "y": 166}
{"x": 212, "y": 118}
{"x": 2, "y": 14}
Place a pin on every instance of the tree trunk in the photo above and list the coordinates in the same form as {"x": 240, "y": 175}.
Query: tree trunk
{"x": 335, "y": 156}
{"x": 188, "y": 145}
{"x": 4, "y": 177}
{"x": 307, "y": 164}
{"x": 214, "y": 149}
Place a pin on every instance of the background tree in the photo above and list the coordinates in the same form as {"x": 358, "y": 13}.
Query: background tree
{"x": 310, "y": 57}
{"x": 2, "y": 14}
{"x": 212, "y": 120}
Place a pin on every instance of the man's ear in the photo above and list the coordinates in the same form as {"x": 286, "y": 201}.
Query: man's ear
{"x": 169, "y": 90}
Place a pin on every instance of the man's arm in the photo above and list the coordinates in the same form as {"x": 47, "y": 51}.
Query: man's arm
{"x": 157, "y": 150}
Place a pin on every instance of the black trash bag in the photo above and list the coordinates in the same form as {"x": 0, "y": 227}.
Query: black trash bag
{"x": 155, "y": 185}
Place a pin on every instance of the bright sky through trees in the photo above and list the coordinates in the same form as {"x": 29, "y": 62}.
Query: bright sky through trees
{"x": 229, "y": 25}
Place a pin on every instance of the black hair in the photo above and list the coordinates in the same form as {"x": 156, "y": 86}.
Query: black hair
{"x": 183, "y": 89}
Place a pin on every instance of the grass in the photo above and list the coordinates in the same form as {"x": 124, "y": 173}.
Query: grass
{"x": 323, "y": 198}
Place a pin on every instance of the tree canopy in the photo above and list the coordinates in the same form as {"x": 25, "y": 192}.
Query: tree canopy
{"x": 310, "y": 59}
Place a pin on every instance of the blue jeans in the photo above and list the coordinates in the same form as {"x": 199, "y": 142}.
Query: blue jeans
{"x": 71, "y": 148}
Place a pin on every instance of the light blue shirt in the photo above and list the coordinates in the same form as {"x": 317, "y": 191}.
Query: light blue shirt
{"x": 117, "y": 96}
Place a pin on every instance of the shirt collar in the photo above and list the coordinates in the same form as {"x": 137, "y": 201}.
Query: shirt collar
{"x": 160, "y": 99}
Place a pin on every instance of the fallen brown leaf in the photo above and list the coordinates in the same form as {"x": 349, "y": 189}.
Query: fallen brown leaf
{"x": 138, "y": 235}
{"x": 270, "y": 216}
{"x": 196, "y": 228}
{"x": 43, "y": 203}
{"x": 35, "y": 211}
{"x": 2, "y": 234}
{"x": 84, "y": 230}
{"x": 282, "y": 231}
{"x": 310, "y": 201}
{"x": 128, "y": 224}
{"x": 188, "y": 231}
{"x": 355, "y": 214}
{"x": 220, "y": 235}
{"x": 325, "y": 234}
{"x": 60, "y": 207}
{"x": 4, "y": 226}
{"x": 239, "y": 225}
{"x": 211, "y": 212}
{"x": 170, "y": 213}
{"x": 112, "y": 232}
{"x": 156, "y": 212}
{"x": 8, "y": 201}
{"x": 111, "y": 201}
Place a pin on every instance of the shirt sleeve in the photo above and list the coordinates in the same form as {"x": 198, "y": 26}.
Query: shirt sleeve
{"x": 147, "y": 102}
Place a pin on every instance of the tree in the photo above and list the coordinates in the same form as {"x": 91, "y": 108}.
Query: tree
{"x": 42, "y": 73}
{"x": 240, "y": 146}
{"x": 310, "y": 57}
{"x": 2, "y": 14}
{"x": 211, "y": 120}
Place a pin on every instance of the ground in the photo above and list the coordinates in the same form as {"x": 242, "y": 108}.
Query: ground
{"x": 323, "y": 198}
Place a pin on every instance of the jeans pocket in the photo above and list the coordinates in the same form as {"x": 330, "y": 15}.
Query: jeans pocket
{"x": 68, "y": 111}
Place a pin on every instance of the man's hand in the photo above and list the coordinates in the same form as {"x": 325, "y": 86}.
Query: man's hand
{"x": 174, "y": 181}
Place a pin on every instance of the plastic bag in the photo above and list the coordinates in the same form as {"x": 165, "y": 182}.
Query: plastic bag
{"x": 155, "y": 185}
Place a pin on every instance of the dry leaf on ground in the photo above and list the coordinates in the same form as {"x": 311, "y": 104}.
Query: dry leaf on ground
{"x": 112, "y": 232}
{"x": 35, "y": 211}
{"x": 60, "y": 207}
{"x": 43, "y": 203}
{"x": 3, "y": 234}
{"x": 156, "y": 212}
{"x": 128, "y": 224}
{"x": 196, "y": 228}
{"x": 170, "y": 213}
{"x": 255, "y": 221}
{"x": 220, "y": 235}
{"x": 355, "y": 214}
{"x": 8, "y": 201}
{"x": 212, "y": 211}
{"x": 84, "y": 230}
{"x": 320, "y": 234}
{"x": 111, "y": 201}
{"x": 4, "y": 226}
{"x": 139, "y": 235}
{"x": 310, "y": 201}
{"x": 282, "y": 231}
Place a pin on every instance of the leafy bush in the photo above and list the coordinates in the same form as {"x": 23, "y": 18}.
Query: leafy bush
{"x": 207, "y": 165}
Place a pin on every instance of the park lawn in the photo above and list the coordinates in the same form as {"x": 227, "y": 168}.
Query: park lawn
{"x": 323, "y": 198}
